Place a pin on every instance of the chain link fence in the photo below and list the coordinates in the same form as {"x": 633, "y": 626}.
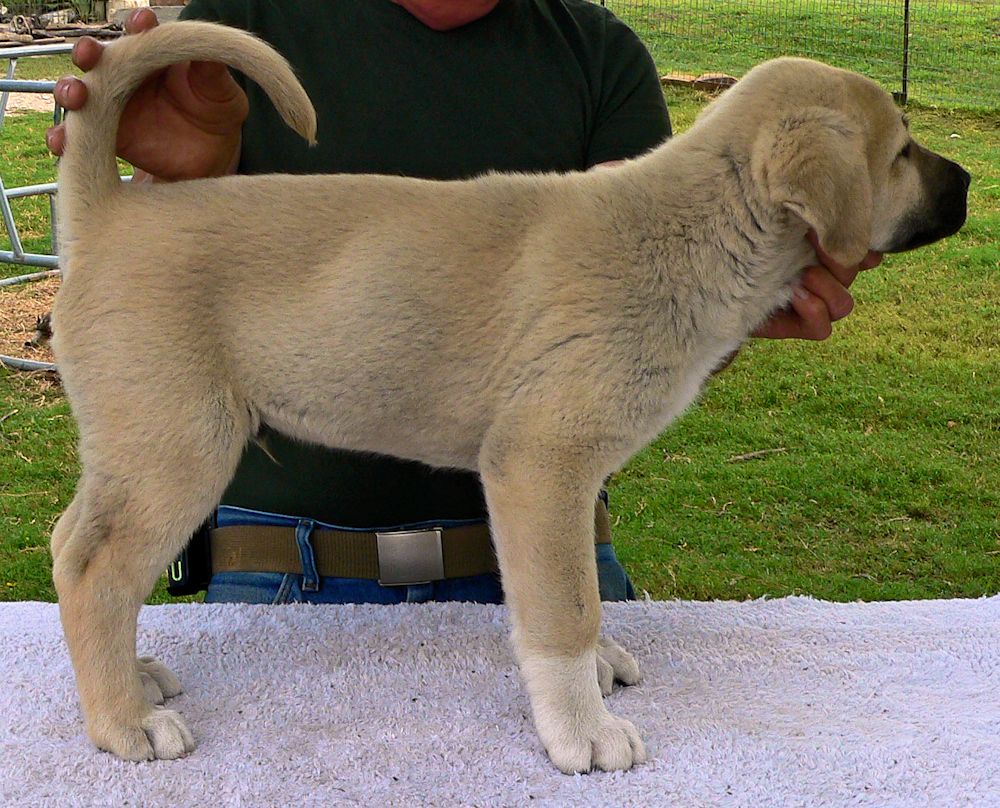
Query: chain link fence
{"x": 944, "y": 52}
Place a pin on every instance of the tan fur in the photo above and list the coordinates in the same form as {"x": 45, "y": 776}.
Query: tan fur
{"x": 539, "y": 329}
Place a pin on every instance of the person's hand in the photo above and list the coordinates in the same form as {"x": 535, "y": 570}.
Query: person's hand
{"x": 183, "y": 122}
{"x": 820, "y": 300}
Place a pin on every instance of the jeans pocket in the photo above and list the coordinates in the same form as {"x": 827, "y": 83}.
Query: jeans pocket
{"x": 251, "y": 587}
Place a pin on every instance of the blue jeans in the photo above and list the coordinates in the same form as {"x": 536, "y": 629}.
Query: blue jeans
{"x": 276, "y": 587}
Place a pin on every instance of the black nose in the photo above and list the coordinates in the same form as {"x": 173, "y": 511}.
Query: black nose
{"x": 946, "y": 212}
{"x": 958, "y": 174}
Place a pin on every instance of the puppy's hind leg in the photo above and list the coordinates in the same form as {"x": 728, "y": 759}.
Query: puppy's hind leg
{"x": 157, "y": 681}
{"x": 136, "y": 506}
{"x": 541, "y": 506}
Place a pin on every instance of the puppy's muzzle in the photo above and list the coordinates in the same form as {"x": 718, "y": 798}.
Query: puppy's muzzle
{"x": 946, "y": 190}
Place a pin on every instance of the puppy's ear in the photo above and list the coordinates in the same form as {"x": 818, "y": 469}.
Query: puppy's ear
{"x": 812, "y": 162}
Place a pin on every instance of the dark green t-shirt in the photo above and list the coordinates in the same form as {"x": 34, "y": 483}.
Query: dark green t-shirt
{"x": 536, "y": 85}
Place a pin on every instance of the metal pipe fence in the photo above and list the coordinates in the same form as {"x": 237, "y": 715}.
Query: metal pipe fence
{"x": 935, "y": 52}
{"x": 8, "y": 84}
{"x": 16, "y": 254}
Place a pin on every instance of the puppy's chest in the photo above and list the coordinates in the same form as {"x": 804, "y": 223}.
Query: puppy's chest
{"x": 673, "y": 386}
{"x": 699, "y": 344}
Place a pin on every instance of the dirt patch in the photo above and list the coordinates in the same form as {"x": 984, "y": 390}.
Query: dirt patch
{"x": 29, "y": 102}
{"x": 20, "y": 305}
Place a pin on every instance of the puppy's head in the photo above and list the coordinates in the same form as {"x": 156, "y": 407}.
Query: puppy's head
{"x": 831, "y": 147}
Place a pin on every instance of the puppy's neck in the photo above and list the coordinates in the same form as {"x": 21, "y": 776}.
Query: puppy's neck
{"x": 742, "y": 254}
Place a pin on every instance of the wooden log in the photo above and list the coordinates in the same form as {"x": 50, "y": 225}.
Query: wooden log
{"x": 72, "y": 32}
{"x": 16, "y": 39}
{"x": 706, "y": 82}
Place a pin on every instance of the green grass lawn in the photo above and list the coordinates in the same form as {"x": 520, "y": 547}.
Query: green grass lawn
{"x": 41, "y": 68}
{"x": 25, "y": 160}
{"x": 883, "y": 482}
{"x": 954, "y": 46}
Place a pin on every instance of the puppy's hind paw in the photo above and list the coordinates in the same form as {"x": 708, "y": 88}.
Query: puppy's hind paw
{"x": 614, "y": 663}
{"x": 158, "y": 683}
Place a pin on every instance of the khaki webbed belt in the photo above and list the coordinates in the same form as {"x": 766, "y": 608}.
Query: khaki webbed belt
{"x": 392, "y": 557}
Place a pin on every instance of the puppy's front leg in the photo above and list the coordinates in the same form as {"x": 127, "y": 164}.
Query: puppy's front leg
{"x": 541, "y": 511}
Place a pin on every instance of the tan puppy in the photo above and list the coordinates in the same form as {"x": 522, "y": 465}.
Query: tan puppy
{"x": 539, "y": 329}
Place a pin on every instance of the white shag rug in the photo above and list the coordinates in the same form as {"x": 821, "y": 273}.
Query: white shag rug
{"x": 790, "y": 702}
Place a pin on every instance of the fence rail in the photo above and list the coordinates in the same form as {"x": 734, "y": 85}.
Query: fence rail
{"x": 943, "y": 52}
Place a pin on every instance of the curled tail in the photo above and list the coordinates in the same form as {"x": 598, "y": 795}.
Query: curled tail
{"x": 88, "y": 174}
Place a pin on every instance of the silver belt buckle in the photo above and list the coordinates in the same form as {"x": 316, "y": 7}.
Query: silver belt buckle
{"x": 409, "y": 557}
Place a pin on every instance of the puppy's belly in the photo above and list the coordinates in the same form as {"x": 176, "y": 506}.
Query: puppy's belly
{"x": 387, "y": 433}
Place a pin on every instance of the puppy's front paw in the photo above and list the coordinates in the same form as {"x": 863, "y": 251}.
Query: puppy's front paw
{"x": 614, "y": 663}
{"x": 160, "y": 735}
{"x": 602, "y": 741}
{"x": 573, "y": 724}
{"x": 168, "y": 734}
{"x": 158, "y": 683}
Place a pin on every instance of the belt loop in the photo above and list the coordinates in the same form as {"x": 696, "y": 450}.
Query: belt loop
{"x": 310, "y": 577}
